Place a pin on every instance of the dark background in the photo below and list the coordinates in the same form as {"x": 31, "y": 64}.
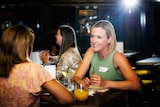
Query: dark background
{"x": 50, "y": 14}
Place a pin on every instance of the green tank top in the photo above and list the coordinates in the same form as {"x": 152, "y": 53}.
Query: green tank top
{"x": 105, "y": 68}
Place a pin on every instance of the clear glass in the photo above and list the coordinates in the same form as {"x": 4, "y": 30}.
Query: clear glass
{"x": 67, "y": 80}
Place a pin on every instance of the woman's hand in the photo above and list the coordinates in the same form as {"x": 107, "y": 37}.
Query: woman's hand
{"x": 44, "y": 56}
{"x": 97, "y": 80}
{"x": 85, "y": 82}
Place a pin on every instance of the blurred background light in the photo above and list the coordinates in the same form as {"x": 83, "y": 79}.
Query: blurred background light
{"x": 130, "y": 4}
{"x": 157, "y": 0}
{"x": 143, "y": 20}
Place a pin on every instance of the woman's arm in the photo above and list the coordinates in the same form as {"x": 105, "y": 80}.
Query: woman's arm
{"x": 131, "y": 81}
{"x": 83, "y": 68}
{"x": 59, "y": 92}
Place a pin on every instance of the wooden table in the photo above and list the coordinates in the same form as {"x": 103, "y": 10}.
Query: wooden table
{"x": 149, "y": 61}
{"x": 111, "y": 98}
{"x": 148, "y": 64}
{"x": 130, "y": 54}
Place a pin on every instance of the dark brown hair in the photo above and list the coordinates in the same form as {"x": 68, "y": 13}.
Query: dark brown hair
{"x": 68, "y": 38}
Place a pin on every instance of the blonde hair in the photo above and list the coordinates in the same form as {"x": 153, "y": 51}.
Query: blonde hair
{"x": 15, "y": 47}
{"x": 110, "y": 32}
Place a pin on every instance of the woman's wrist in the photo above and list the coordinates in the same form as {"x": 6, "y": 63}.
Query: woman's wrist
{"x": 45, "y": 62}
{"x": 78, "y": 81}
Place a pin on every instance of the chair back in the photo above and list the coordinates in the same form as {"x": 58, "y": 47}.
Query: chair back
{"x": 157, "y": 73}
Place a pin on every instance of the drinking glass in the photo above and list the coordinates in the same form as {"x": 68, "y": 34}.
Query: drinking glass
{"x": 67, "y": 81}
{"x": 80, "y": 93}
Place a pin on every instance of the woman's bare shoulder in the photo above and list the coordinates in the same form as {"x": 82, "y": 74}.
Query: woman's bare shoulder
{"x": 88, "y": 54}
{"x": 118, "y": 54}
{"x": 90, "y": 50}
{"x": 119, "y": 58}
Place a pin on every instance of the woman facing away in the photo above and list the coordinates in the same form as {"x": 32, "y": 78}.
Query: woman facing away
{"x": 21, "y": 80}
{"x": 69, "y": 55}
{"x": 108, "y": 68}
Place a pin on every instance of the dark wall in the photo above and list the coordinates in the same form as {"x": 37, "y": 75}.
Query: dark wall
{"x": 127, "y": 26}
{"x": 156, "y": 27}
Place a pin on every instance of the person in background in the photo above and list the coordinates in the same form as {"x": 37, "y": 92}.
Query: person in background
{"x": 21, "y": 80}
{"x": 69, "y": 55}
{"x": 108, "y": 68}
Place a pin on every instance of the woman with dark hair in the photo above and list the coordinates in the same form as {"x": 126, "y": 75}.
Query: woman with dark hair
{"x": 69, "y": 55}
{"x": 21, "y": 80}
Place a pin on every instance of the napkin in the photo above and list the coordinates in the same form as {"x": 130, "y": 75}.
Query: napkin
{"x": 92, "y": 92}
{"x": 93, "y": 89}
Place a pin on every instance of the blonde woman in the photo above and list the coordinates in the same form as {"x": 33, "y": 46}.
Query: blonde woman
{"x": 108, "y": 68}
